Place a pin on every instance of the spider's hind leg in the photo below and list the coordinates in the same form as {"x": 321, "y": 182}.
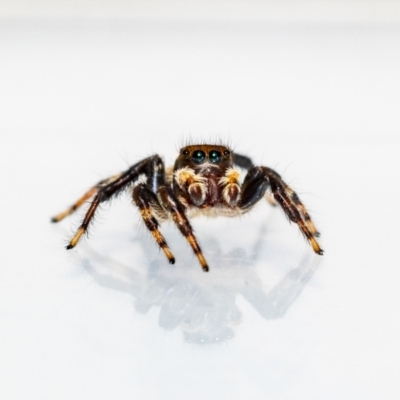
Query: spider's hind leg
{"x": 147, "y": 201}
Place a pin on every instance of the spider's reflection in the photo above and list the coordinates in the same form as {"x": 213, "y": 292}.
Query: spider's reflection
{"x": 202, "y": 305}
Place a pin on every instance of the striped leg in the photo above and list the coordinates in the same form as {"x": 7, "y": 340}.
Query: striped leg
{"x": 152, "y": 167}
{"x": 174, "y": 208}
{"x": 146, "y": 200}
{"x": 254, "y": 187}
{"x": 107, "y": 189}
{"x": 88, "y": 195}
{"x": 293, "y": 207}
{"x": 302, "y": 209}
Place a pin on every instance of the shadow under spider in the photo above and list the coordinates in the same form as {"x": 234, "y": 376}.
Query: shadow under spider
{"x": 202, "y": 305}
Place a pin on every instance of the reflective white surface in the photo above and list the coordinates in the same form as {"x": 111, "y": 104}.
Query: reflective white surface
{"x": 83, "y": 99}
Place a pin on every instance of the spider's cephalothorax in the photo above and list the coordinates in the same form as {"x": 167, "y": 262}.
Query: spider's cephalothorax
{"x": 204, "y": 177}
{"x": 203, "y": 181}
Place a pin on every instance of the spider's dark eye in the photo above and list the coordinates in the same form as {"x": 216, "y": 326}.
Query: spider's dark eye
{"x": 198, "y": 156}
{"x": 227, "y": 153}
{"x": 185, "y": 153}
{"x": 215, "y": 156}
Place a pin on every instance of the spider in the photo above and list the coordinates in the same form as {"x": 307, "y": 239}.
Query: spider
{"x": 202, "y": 182}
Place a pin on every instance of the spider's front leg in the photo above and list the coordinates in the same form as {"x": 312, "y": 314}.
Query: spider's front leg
{"x": 147, "y": 201}
{"x": 258, "y": 180}
{"x": 152, "y": 167}
{"x": 172, "y": 205}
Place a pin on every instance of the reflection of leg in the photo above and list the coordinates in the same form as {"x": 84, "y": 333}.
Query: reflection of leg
{"x": 277, "y": 301}
{"x": 112, "y": 274}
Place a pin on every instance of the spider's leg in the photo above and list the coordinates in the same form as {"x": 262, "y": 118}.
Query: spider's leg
{"x": 107, "y": 189}
{"x": 176, "y": 210}
{"x": 89, "y": 194}
{"x": 146, "y": 200}
{"x": 242, "y": 161}
{"x": 246, "y": 163}
{"x": 254, "y": 187}
{"x": 283, "y": 191}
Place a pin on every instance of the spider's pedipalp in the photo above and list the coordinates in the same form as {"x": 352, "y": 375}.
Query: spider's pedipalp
{"x": 196, "y": 185}
{"x": 231, "y": 188}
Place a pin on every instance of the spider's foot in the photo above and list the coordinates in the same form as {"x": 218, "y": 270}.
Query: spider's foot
{"x": 63, "y": 214}
{"x": 75, "y": 239}
{"x": 57, "y": 218}
{"x": 203, "y": 262}
{"x": 316, "y": 247}
{"x": 167, "y": 251}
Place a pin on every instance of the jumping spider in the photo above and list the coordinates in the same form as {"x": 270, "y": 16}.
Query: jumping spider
{"x": 202, "y": 181}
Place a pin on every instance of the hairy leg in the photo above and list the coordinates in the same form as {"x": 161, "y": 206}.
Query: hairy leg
{"x": 258, "y": 180}
{"x": 146, "y": 201}
{"x": 175, "y": 209}
{"x": 242, "y": 161}
{"x": 151, "y": 167}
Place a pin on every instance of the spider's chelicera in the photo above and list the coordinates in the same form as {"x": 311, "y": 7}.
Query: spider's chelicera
{"x": 203, "y": 181}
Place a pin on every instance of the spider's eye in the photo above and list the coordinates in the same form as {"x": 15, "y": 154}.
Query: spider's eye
{"x": 185, "y": 153}
{"x": 215, "y": 156}
{"x": 198, "y": 156}
{"x": 227, "y": 153}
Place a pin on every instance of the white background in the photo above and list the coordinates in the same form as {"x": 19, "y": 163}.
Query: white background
{"x": 85, "y": 92}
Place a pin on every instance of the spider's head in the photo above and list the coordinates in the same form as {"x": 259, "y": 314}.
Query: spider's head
{"x": 205, "y": 159}
{"x": 204, "y": 177}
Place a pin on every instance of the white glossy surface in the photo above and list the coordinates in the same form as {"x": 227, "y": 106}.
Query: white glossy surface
{"x": 82, "y": 99}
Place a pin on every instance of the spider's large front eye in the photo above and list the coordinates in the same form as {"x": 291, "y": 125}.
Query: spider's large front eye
{"x": 215, "y": 156}
{"x": 198, "y": 156}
